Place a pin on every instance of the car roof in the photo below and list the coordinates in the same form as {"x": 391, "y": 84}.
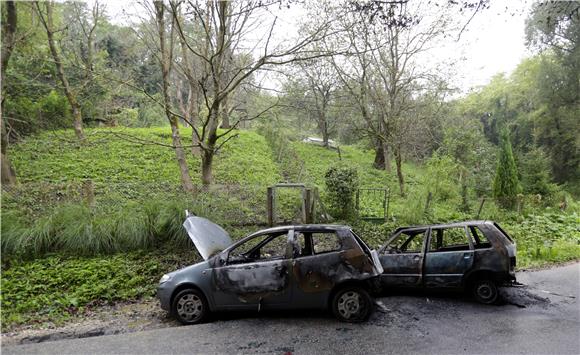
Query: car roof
{"x": 298, "y": 227}
{"x": 445, "y": 225}
{"x": 303, "y": 227}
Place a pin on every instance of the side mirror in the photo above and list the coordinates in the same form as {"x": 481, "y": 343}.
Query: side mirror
{"x": 222, "y": 259}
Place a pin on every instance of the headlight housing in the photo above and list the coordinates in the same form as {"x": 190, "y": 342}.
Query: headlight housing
{"x": 164, "y": 278}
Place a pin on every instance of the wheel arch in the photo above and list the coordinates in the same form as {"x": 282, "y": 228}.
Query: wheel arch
{"x": 364, "y": 284}
{"x": 185, "y": 286}
{"x": 479, "y": 274}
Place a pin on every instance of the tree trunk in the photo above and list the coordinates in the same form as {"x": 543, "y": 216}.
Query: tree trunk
{"x": 206, "y": 166}
{"x": 399, "y": 163}
{"x": 180, "y": 156}
{"x": 193, "y": 118}
{"x": 8, "y": 173}
{"x": 382, "y": 158}
{"x": 324, "y": 130}
{"x": 379, "y": 162}
{"x": 76, "y": 108}
{"x": 8, "y": 42}
{"x": 165, "y": 61}
{"x": 225, "y": 113}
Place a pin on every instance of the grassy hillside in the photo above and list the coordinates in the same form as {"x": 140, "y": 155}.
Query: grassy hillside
{"x": 128, "y": 155}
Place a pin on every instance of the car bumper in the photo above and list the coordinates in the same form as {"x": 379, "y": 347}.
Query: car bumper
{"x": 164, "y": 296}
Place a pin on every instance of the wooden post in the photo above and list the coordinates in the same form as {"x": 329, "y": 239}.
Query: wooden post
{"x": 270, "y": 205}
{"x": 89, "y": 192}
{"x": 386, "y": 206}
{"x": 429, "y": 196}
{"x": 307, "y": 205}
{"x": 480, "y": 207}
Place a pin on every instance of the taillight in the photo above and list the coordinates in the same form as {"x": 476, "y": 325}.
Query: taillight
{"x": 513, "y": 262}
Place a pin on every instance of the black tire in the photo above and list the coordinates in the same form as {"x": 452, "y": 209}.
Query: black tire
{"x": 190, "y": 307}
{"x": 352, "y": 305}
{"x": 485, "y": 291}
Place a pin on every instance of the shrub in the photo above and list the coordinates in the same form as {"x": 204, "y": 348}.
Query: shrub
{"x": 535, "y": 171}
{"x": 506, "y": 185}
{"x": 341, "y": 185}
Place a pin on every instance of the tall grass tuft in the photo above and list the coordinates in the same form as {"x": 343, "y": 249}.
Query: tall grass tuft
{"x": 135, "y": 229}
{"x": 13, "y": 230}
{"x": 170, "y": 224}
{"x": 79, "y": 229}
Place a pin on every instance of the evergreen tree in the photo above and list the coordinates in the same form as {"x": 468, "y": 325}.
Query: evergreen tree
{"x": 506, "y": 185}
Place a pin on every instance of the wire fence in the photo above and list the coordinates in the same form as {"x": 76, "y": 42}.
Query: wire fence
{"x": 233, "y": 204}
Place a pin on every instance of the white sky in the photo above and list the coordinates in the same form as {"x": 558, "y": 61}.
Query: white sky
{"x": 493, "y": 42}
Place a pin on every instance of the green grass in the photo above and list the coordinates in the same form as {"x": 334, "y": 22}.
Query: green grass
{"x": 55, "y": 156}
{"x": 55, "y": 288}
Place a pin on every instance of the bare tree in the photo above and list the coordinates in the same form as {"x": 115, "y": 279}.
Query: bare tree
{"x": 166, "y": 60}
{"x": 354, "y": 70}
{"x": 46, "y": 18}
{"x": 8, "y": 42}
{"x": 322, "y": 86}
{"x": 225, "y": 31}
{"x": 88, "y": 24}
{"x": 399, "y": 77}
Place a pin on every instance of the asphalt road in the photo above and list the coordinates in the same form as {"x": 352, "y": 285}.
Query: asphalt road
{"x": 542, "y": 318}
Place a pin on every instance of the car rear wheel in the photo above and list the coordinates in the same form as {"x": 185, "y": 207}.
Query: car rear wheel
{"x": 190, "y": 307}
{"x": 485, "y": 291}
{"x": 352, "y": 304}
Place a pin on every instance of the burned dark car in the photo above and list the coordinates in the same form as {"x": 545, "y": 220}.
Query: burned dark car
{"x": 477, "y": 256}
{"x": 289, "y": 267}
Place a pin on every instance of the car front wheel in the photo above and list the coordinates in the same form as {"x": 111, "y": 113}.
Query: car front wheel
{"x": 190, "y": 307}
{"x": 352, "y": 304}
{"x": 485, "y": 291}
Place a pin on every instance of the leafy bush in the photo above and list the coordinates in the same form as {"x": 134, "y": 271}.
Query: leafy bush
{"x": 547, "y": 237}
{"x": 535, "y": 171}
{"x": 506, "y": 185}
{"x": 55, "y": 110}
{"x": 341, "y": 185}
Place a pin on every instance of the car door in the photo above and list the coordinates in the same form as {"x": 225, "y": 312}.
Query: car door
{"x": 316, "y": 262}
{"x": 255, "y": 274}
{"x": 449, "y": 256}
{"x": 402, "y": 259}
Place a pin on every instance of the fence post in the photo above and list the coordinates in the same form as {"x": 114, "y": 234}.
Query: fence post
{"x": 386, "y": 206}
{"x": 270, "y": 205}
{"x": 480, "y": 207}
{"x": 429, "y": 196}
{"x": 307, "y": 205}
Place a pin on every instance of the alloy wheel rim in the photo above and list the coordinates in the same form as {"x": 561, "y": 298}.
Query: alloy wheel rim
{"x": 349, "y": 304}
{"x": 484, "y": 291}
{"x": 189, "y": 307}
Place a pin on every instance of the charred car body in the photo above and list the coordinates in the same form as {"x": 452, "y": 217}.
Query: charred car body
{"x": 475, "y": 255}
{"x": 290, "y": 267}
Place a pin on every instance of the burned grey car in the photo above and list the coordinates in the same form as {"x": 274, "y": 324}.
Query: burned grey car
{"x": 289, "y": 267}
{"x": 477, "y": 256}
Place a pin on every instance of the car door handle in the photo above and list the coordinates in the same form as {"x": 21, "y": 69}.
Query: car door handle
{"x": 417, "y": 257}
{"x": 466, "y": 256}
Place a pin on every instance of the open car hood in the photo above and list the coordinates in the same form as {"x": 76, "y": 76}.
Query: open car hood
{"x": 208, "y": 237}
